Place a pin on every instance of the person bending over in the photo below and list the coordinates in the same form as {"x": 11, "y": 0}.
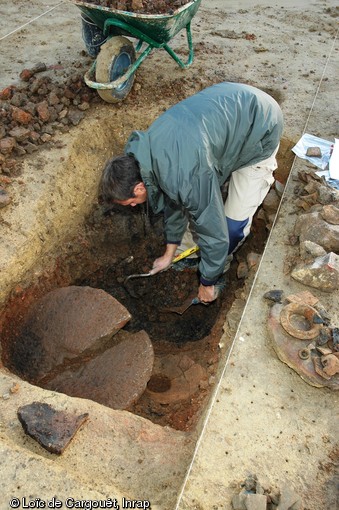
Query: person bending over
{"x": 227, "y": 132}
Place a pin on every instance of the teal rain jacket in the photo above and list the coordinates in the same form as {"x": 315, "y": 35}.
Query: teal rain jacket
{"x": 191, "y": 150}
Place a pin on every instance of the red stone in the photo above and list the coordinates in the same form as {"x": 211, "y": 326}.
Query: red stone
{"x": 43, "y": 111}
{"x": 21, "y": 116}
{"x": 26, "y": 74}
{"x": 7, "y": 93}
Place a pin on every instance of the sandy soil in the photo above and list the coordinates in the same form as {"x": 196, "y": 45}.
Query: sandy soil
{"x": 281, "y": 47}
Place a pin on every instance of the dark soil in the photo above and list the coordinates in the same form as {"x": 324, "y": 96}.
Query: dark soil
{"x": 196, "y": 334}
{"x": 142, "y": 6}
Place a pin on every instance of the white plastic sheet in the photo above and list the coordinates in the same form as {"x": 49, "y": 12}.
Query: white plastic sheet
{"x": 328, "y": 165}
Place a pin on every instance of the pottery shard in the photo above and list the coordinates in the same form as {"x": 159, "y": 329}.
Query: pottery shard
{"x": 315, "y": 152}
{"x": 116, "y": 378}
{"x": 308, "y": 226}
{"x": 64, "y": 324}
{"x": 52, "y": 429}
{"x": 321, "y": 274}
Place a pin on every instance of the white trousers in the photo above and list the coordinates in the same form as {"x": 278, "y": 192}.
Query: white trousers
{"x": 247, "y": 189}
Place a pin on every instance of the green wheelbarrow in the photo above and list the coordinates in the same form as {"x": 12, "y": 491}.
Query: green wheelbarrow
{"x": 112, "y": 73}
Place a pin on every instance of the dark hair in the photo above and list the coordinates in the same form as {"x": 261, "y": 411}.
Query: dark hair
{"x": 119, "y": 177}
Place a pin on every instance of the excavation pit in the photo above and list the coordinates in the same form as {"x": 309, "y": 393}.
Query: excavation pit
{"x": 186, "y": 347}
{"x": 98, "y": 248}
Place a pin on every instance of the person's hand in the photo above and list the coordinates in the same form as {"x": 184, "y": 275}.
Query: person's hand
{"x": 207, "y": 294}
{"x": 161, "y": 264}
{"x": 165, "y": 261}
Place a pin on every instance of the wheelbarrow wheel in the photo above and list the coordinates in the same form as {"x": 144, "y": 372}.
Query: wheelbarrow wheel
{"x": 115, "y": 57}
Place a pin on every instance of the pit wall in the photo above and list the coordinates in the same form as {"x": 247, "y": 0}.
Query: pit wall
{"x": 115, "y": 454}
{"x": 53, "y": 197}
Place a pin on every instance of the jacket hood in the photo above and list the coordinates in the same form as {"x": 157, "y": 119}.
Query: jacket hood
{"x": 138, "y": 145}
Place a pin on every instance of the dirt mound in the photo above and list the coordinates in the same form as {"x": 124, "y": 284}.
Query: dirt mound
{"x": 33, "y": 111}
{"x": 142, "y": 6}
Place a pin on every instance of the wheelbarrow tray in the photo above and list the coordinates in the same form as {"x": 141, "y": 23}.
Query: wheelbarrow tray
{"x": 159, "y": 27}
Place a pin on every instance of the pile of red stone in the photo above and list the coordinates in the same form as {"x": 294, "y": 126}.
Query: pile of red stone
{"x": 142, "y": 6}
{"x": 34, "y": 111}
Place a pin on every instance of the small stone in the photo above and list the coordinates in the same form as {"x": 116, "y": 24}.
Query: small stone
{"x": 5, "y": 199}
{"x": 26, "y": 74}
{"x": 256, "y": 502}
{"x": 252, "y": 259}
{"x": 75, "y": 116}
{"x": 289, "y": 500}
{"x": 310, "y": 249}
{"x": 20, "y": 133}
{"x": 15, "y": 388}
{"x": 84, "y": 106}
{"x": 242, "y": 270}
{"x": 308, "y": 226}
{"x": 274, "y": 295}
{"x": 324, "y": 336}
{"x": 136, "y": 5}
{"x": 238, "y": 501}
{"x": 39, "y": 68}
{"x": 330, "y": 213}
{"x": 322, "y": 274}
{"x": 30, "y": 147}
{"x": 46, "y": 138}
{"x": 327, "y": 195}
{"x": 6, "y": 396}
{"x": 21, "y": 116}
{"x": 7, "y": 93}
{"x": 43, "y": 111}
{"x": 335, "y": 339}
{"x": 271, "y": 202}
{"x": 7, "y": 145}
{"x": 53, "y": 99}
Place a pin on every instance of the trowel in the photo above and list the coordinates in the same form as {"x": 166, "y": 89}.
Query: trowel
{"x": 192, "y": 300}
{"x": 181, "y": 256}
{"x": 180, "y": 310}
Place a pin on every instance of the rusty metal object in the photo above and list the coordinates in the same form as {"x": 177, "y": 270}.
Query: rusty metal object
{"x": 306, "y": 311}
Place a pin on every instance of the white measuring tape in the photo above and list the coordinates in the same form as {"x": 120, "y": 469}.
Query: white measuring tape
{"x": 31, "y": 21}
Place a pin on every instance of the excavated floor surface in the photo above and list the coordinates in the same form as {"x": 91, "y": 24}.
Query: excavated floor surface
{"x": 263, "y": 417}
